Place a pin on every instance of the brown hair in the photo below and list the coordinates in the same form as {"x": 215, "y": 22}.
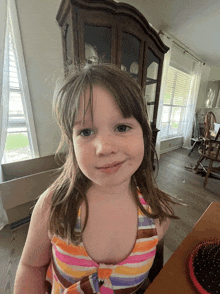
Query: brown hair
{"x": 69, "y": 190}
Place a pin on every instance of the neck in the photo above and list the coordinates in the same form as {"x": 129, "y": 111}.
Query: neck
{"x": 99, "y": 193}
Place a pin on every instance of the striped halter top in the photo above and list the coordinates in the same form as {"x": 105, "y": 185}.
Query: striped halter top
{"x": 72, "y": 271}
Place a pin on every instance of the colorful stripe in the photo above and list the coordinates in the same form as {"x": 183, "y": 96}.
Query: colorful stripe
{"x": 72, "y": 271}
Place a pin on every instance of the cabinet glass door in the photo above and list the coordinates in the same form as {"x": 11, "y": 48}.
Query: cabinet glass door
{"x": 97, "y": 44}
{"x": 151, "y": 83}
{"x": 68, "y": 42}
{"x": 130, "y": 54}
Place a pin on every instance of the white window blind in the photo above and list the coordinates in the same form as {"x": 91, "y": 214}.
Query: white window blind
{"x": 19, "y": 127}
{"x": 175, "y": 103}
{"x": 18, "y": 141}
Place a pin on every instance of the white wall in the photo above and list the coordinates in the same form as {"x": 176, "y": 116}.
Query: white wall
{"x": 214, "y": 73}
{"x": 41, "y": 40}
{"x": 202, "y": 95}
{"x": 171, "y": 144}
{"x": 210, "y": 74}
{"x": 215, "y": 76}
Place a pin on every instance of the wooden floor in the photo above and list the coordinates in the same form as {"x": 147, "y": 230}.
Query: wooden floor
{"x": 173, "y": 178}
{"x": 177, "y": 181}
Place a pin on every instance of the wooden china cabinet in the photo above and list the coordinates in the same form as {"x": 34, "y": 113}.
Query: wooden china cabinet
{"x": 107, "y": 31}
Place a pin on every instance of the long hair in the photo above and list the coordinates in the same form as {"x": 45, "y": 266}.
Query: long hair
{"x": 69, "y": 190}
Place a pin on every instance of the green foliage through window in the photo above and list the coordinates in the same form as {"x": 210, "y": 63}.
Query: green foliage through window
{"x": 15, "y": 141}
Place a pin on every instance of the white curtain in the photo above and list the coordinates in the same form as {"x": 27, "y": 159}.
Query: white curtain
{"x": 197, "y": 72}
{"x": 168, "y": 42}
{"x": 4, "y": 92}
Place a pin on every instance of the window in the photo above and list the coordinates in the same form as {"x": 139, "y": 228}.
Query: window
{"x": 20, "y": 138}
{"x": 17, "y": 145}
{"x": 175, "y": 103}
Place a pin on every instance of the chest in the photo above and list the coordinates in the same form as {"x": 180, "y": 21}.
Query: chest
{"x": 111, "y": 231}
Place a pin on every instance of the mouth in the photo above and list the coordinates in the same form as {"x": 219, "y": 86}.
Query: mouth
{"x": 110, "y": 165}
{"x": 111, "y": 168}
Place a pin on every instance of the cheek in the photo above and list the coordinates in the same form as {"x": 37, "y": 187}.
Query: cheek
{"x": 140, "y": 151}
{"x": 82, "y": 153}
{"x": 136, "y": 145}
{"x": 78, "y": 152}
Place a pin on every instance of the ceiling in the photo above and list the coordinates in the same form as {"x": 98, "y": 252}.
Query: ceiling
{"x": 195, "y": 23}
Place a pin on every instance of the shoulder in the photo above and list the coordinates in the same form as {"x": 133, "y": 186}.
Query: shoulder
{"x": 42, "y": 209}
{"x": 161, "y": 228}
{"x": 41, "y": 212}
{"x": 44, "y": 201}
{"x": 37, "y": 249}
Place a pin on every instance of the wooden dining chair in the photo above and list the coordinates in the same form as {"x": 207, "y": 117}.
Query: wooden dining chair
{"x": 210, "y": 150}
{"x": 217, "y": 137}
{"x": 209, "y": 123}
{"x": 199, "y": 137}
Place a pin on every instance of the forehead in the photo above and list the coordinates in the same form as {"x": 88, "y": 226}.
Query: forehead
{"x": 95, "y": 97}
{"x": 95, "y": 100}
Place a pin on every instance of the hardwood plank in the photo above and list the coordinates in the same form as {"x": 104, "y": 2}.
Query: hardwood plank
{"x": 5, "y": 258}
{"x": 19, "y": 237}
{"x": 177, "y": 181}
{"x": 11, "y": 246}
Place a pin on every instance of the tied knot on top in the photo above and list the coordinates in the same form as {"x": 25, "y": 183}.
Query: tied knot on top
{"x": 98, "y": 282}
{"x": 104, "y": 273}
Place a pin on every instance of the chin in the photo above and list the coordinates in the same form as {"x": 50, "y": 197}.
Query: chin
{"x": 113, "y": 182}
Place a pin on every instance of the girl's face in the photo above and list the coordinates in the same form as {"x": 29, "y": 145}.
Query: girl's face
{"x": 110, "y": 150}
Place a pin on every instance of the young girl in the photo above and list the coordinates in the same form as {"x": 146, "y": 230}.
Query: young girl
{"x": 95, "y": 230}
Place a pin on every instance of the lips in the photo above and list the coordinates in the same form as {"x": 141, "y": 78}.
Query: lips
{"x": 111, "y": 168}
{"x": 110, "y": 165}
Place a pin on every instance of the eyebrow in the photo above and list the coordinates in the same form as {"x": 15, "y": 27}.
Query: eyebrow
{"x": 119, "y": 117}
{"x": 77, "y": 123}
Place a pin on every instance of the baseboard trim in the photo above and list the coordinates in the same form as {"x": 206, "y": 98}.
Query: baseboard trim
{"x": 171, "y": 149}
{"x": 20, "y": 222}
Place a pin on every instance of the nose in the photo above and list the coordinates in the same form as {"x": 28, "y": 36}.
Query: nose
{"x": 105, "y": 145}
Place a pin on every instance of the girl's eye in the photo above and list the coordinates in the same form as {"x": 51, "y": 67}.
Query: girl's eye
{"x": 123, "y": 128}
{"x": 89, "y": 132}
{"x": 86, "y": 132}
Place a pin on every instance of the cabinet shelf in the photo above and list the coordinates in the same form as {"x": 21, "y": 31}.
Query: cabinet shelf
{"x": 150, "y": 81}
{"x": 151, "y": 103}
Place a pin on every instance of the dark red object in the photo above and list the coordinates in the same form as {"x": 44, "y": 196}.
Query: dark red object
{"x": 204, "y": 267}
